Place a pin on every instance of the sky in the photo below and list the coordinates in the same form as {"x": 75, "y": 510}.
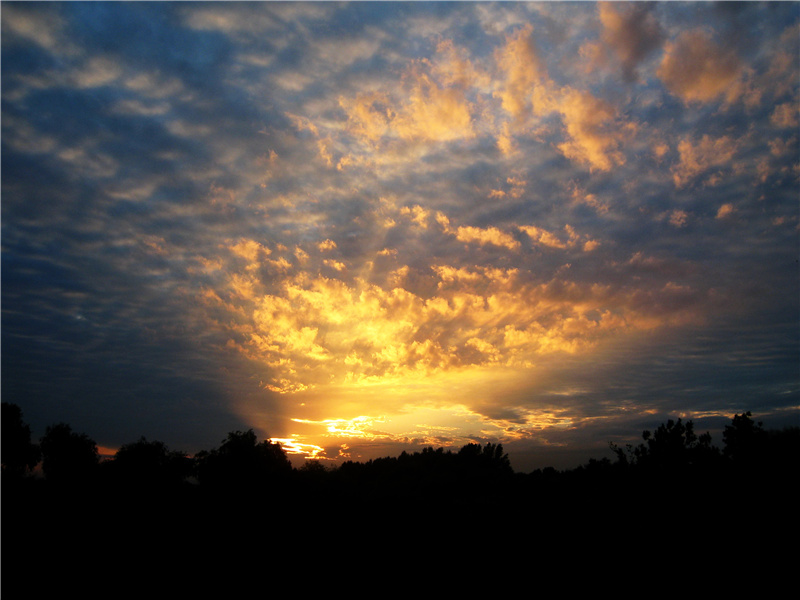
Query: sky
{"x": 363, "y": 228}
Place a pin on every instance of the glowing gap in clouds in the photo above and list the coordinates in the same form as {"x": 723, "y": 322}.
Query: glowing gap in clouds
{"x": 294, "y": 447}
{"x": 431, "y": 413}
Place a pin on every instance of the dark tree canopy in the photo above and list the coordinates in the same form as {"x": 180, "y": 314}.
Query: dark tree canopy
{"x": 673, "y": 447}
{"x": 19, "y": 454}
{"x": 743, "y": 438}
{"x": 432, "y": 468}
{"x": 242, "y": 461}
{"x": 68, "y": 456}
{"x": 150, "y": 463}
{"x": 487, "y": 458}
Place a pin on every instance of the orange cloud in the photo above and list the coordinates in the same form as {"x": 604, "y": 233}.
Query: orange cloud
{"x": 248, "y": 249}
{"x": 318, "y": 331}
{"x": 678, "y": 218}
{"x": 551, "y": 240}
{"x": 595, "y": 134}
{"x": 431, "y": 107}
{"x": 453, "y": 68}
{"x": 543, "y": 237}
{"x": 785, "y": 115}
{"x": 433, "y": 113}
{"x": 521, "y": 71}
{"x": 368, "y": 115}
{"x": 418, "y": 215}
{"x": 696, "y": 69}
{"x": 696, "y": 158}
{"x": 489, "y": 235}
{"x": 725, "y": 210}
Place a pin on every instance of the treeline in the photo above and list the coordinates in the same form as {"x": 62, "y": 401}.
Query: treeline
{"x": 241, "y": 464}
{"x": 667, "y": 462}
{"x": 241, "y": 461}
{"x": 155, "y": 513}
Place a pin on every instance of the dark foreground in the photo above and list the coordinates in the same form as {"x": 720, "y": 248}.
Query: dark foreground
{"x": 430, "y": 523}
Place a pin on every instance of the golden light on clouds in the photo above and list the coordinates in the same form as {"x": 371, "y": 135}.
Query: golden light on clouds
{"x": 697, "y": 69}
{"x": 340, "y": 342}
{"x": 399, "y": 224}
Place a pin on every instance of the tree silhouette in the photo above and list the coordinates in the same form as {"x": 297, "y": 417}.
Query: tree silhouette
{"x": 744, "y": 440}
{"x": 68, "y": 457}
{"x": 241, "y": 461}
{"x": 672, "y": 448}
{"x": 149, "y": 464}
{"x": 488, "y": 459}
{"x": 19, "y": 454}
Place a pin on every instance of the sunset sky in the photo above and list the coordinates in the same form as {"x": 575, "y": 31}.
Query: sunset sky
{"x": 373, "y": 227}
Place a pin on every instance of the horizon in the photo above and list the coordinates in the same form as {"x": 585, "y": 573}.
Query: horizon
{"x": 299, "y": 459}
{"x": 364, "y": 228}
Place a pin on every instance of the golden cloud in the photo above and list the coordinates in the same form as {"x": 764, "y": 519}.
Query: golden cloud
{"x": 453, "y": 68}
{"x": 595, "y": 134}
{"x": 317, "y": 331}
{"x": 521, "y": 71}
{"x": 488, "y": 235}
{"x": 368, "y": 115}
{"x": 433, "y": 113}
{"x": 428, "y": 111}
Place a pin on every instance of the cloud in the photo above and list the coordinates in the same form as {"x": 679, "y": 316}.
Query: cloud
{"x": 427, "y": 112}
{"x": 406, "y": 223}
{"x": 96, "y": 72}
{"x": 700, "y": 156}
{"x": 678, "y": 218}
{"x": 521, "y": 71}
{"x": 697, "y": 69}
{"x": 368, "y": 115}
{"x": 488, "y": 235}
{"x": 595, "y": 133}
{"x": 312, "y": 330}
{"x": 417, "y": 214}
{"x": 433, "y": 113}
{"x": 42, "y": 27}
{"x": 231, "y": 21}
{"x": 632, "y": 31}
{"x": 543, "y": 237}
{"x": 785, "y": 116}
{"x": 154, "y": 85}
{"x": 725, "y": 210}
{"x": 453, "y": 67}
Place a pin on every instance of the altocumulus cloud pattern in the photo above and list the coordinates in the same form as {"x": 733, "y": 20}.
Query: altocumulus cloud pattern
{"x": 361, "y": 228}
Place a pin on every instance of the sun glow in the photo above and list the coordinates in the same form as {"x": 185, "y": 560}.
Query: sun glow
{"x": 448, "y": 409}
{"x": 294, "y": 447}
